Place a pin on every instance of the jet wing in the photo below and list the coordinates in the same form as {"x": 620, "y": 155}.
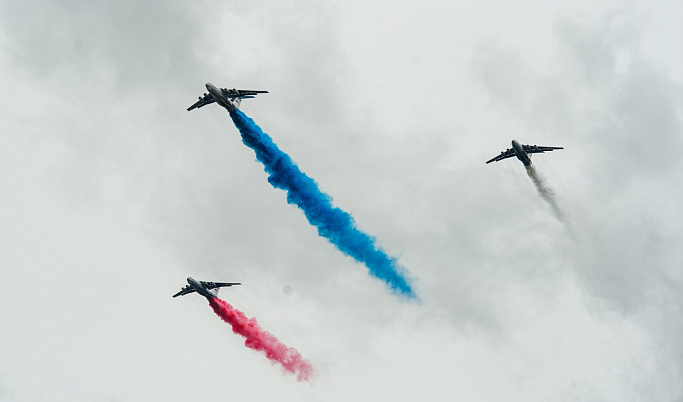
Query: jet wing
{"x": 535, "y": 149}
{"x": 214, "y": 285}
{"x": 203, "y": 101}
{"x": 238, "y": 93}
{"x": 187, "y": 289}
{"x": 503, "y": 155}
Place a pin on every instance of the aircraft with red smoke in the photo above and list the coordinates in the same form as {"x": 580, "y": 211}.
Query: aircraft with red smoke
{"x": 522, "y": 152}
{"x": 206, "y": 289}
{"x": 228, "y": 98}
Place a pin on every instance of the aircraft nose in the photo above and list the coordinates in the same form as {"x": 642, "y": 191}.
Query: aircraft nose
{"x": 208, "y": 86}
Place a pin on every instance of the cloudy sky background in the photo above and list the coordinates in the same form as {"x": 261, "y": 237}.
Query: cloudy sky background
{"x": 112, "y": 194}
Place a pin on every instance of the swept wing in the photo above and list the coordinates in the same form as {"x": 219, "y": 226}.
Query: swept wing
{"x": 535, "y": 149}
{"x": 186, "y": 290}
{"x": 207, "y": 99}
{"x": 241, "y": 93}
{"x": 509, "y": 153}
{"x": 214, "y": 285}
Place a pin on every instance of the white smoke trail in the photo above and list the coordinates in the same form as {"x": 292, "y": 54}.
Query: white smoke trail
{"x": 546, "y": 193}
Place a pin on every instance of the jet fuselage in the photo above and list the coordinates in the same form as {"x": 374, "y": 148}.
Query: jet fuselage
{"x": 198, "y": 287}
{"x": 219, "y": 97}
{"x": 521, "y": 155}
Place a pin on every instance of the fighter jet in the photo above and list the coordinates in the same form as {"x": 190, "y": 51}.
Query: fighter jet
{"x": 521, "y": 152}
{"x": 228, "y": 98}
{"x": 206, "y": 289}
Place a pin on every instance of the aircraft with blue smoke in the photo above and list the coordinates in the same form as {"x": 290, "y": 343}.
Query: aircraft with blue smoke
{"x": 522, "y": 152}
{"x": 206, "y": 289}
{"x": 228, "y": 98}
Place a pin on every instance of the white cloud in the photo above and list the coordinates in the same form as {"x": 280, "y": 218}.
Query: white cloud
{"x": 114, "y": 194}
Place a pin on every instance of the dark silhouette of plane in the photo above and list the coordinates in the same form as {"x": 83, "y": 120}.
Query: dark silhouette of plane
{"x": 521, "y": 152}
{"x": 228, "y": 98}
{"x": 206, "y": 289}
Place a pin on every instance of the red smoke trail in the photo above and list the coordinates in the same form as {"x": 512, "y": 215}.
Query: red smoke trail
{"x": 258, "y": 339}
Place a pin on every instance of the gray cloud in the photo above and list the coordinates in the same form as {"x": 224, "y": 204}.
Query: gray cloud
{"x": 135, "y": 43}
{"x": 393, "y": 110}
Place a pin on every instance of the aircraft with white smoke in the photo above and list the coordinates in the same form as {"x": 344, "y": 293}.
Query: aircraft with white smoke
{"x": 228, "y": 98}
{"x": 206, "y": 289}
{"x": 522, "y": 152}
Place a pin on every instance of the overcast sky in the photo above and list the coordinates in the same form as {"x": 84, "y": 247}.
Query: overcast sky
{"x": 111, "y": 194}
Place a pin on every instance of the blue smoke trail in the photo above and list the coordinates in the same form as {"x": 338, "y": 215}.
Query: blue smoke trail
{"x": 334, "y": 224}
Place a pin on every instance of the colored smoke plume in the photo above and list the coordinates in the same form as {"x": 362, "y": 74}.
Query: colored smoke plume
{"x": 334, "y": 224}
{"x": 258, "y": 339}
{"x": 545, "y": 192}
